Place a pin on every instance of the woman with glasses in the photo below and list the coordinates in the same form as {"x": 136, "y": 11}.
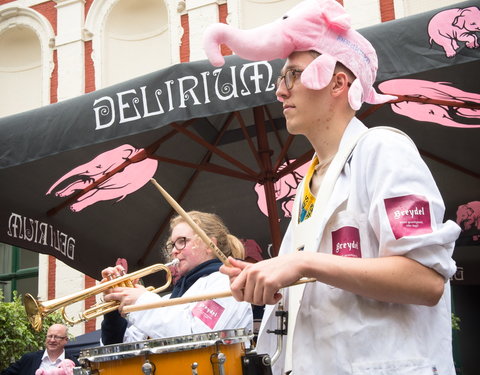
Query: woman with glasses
{"x": 196, "y": 273}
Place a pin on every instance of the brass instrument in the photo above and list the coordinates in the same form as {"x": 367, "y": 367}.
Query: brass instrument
{"x": 37, "y": 310}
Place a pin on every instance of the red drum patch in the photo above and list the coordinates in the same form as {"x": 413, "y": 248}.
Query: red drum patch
{"x": 346, "y": 242}
{"x": 208, "y": 312}
{"x": 408, "y": 215}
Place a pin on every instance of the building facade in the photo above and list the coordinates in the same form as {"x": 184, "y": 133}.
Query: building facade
{"x": 59, "y": 49}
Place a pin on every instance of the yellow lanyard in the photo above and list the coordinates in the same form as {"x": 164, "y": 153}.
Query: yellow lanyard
{"x": 308, "y": 200}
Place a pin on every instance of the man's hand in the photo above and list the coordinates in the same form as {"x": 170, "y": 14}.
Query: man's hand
{"x": 259, "y": 283}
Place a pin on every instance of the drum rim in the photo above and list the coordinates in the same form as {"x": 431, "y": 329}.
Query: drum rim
{"x": 165, "y": 345}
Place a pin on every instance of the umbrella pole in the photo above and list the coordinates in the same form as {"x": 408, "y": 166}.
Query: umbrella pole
{"x": 269, "y": 185}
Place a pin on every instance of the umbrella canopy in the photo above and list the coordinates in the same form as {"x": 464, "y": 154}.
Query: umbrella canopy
{"x": 75, "y": 174}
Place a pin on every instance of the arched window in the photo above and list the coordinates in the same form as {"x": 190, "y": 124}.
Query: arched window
{"x": 134, "y": 39}
{"x": 26, "y": 60}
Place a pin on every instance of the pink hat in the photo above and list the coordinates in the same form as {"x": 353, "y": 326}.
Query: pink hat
{"x": 318, "y": 25}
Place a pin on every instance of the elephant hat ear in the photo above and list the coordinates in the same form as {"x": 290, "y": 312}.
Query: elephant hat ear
{"x": 319, "y": 72}
{"x": 347, "y": 46}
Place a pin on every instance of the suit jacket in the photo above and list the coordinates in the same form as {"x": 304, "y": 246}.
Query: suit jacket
{"x": 29, "y": 363}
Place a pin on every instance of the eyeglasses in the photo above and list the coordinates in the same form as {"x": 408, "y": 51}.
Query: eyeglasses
{"x": 56, "y": 338}
{"x": 178, "y": 244}
{"x": 290, "y": 76}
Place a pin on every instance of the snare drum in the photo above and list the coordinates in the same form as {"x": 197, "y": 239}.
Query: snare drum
{"x": 217, "y": 352}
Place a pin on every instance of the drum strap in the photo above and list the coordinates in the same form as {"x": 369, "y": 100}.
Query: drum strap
{"x": 304, "y": 233}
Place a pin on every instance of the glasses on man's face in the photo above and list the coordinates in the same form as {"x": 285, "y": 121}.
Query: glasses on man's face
{"x": 178, "y": 244}
{"x": 290, "y": 76}
{"x": 56, "y": 338}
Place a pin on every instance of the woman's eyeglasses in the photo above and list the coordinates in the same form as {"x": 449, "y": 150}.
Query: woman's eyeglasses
{"x": 178, "y": 244}
{"x": 290, "y": 76}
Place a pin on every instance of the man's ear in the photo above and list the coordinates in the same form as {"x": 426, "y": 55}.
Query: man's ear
{"x": 340, "y": 80}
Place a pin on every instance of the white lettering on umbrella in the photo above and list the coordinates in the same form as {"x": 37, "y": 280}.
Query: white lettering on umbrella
{"x": 137, "y": 103}
{"x": 34, "y": 231}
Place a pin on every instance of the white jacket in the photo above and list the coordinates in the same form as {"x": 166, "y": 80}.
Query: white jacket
{"x": 195, "y": 317}
{"x": 340, "y": 333}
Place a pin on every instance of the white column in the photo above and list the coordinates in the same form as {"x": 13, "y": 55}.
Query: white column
{"x": 42, "y": 277}
{"x": 201, "y": 13}
{"x": 67, "y": 282}
{"x": 364, "y": 13}
{"x": 70, "y": 48}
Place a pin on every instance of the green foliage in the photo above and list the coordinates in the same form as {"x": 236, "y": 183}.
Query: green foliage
{"x": 17, "y": 335}
{"x": 455, "y": 322}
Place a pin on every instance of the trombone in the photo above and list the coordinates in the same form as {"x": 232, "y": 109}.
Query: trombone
{"x": 37, "y": 310}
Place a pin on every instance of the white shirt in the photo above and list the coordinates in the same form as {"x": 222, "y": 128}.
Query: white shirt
{"x": 195, "y": 317}
{"x": 48, "y": 364}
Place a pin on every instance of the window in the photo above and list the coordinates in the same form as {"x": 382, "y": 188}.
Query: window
{"x": 18, "y": 271}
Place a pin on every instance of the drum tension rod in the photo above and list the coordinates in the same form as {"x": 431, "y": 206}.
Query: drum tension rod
{"x": 194, "y": 368}
{"x": 148, "y": 368}
{"x": 218, "y": 359}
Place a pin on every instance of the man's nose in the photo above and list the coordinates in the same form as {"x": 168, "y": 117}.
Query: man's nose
{"x": 282, "y": 91}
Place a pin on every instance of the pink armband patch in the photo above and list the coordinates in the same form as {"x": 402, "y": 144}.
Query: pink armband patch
{"x": 208, "y": 312}
{"x": 346, "y": 242}
{"x": 408, "y": 215}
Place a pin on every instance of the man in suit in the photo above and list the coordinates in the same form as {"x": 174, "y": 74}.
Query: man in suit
{"x": 51, "y": 357}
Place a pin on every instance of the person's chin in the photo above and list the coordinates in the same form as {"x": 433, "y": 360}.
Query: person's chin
{"x": 292, "y": 127}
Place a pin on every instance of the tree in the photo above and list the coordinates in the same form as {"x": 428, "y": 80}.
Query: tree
{"x": 17, "y": 335}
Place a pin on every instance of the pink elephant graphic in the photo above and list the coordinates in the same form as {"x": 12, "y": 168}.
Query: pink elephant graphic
{"x": 118, "y": 186}
{"x": 468, "y": 216}
{"x": 285, "y": 189}
{"x": 438, "y": 114}
{"x": 451, "y": 26}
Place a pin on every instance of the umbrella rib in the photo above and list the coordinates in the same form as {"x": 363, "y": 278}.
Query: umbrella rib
{"x": 248, "y": 138}
{"x": 196, "y": 172}
{"x": 214, "y": 149}
{"x": 418, "y": 99}
{"x": 283, "y": 153}
{"x": 283, "y": 156}
{"x": 295, "y": 164}
{"x": 448, "y": 103}
{"x": 449, "y": 164}
{"x": 210, "y": 167}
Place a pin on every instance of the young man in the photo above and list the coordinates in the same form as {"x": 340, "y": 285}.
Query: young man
{"x": 50, "y": 358}
{"x": 367, "y": 224}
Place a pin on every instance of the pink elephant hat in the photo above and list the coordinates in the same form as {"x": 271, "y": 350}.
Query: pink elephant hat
{"x": 312, "y": 25}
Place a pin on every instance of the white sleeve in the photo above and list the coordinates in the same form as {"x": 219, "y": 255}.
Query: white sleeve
{"x": 397, "y": 182}
{"x": 196, "y": 317}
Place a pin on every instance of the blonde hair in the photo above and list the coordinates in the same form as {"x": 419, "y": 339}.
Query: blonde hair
{"x": 214, "y": 227}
